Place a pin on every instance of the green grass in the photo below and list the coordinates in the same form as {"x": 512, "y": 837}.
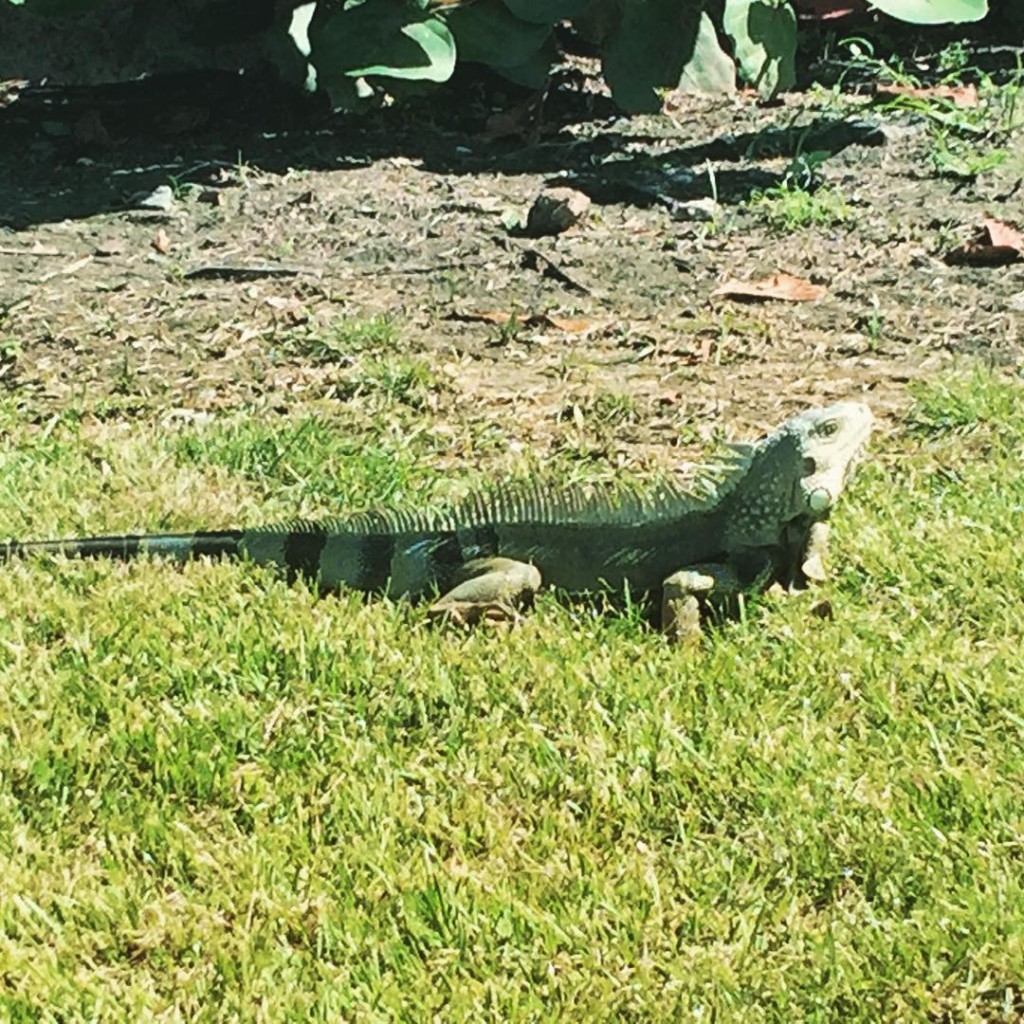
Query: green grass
{"x": 789, "y": 207}
{"x": 344, "y": 339}
{"x": 223, "y": 798}
{"x": 966, "y": 141}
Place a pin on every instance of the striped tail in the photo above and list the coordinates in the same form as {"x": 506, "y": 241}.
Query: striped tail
{"x": 179, "y": 546}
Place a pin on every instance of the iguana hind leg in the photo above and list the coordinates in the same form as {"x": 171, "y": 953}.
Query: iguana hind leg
{"x": 489, "y": 589}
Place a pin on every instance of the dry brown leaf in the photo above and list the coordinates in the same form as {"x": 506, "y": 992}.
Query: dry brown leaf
{"x": 965, "y": 96}
{"x": 568, "y": 324}
{"x": 162, "y": 242}
{"x": 284, "y": 302}
{"x": 994, "y": 244}
{"x": 828, "y": 10}
{"x": 1003, "y": 234}
{"x": 785, "y": 287}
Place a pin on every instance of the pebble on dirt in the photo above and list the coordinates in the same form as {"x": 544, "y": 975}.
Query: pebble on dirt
{"x": 556, "y": 210}
{"x": 161, "y": 198}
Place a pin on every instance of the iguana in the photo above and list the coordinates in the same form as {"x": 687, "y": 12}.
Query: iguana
{"x": 760, "y": 516}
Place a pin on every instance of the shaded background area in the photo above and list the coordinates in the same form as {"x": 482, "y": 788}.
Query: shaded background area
{"x": 305, "y": 255}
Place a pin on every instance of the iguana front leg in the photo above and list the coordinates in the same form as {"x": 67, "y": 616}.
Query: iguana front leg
{"x": 806, "y": 556}
{"x": 686, "y": 592}
{"x": 815, "y": 553}
{"x": 491, "y": 589}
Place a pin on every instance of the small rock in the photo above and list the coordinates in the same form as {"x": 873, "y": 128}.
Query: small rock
{"x": 909, "y": 127}
{"x": 161, "y": 198}
{"x": 110, "y": 247}
{"x": 695, "y": 209}
{"x": 555, "y": 211}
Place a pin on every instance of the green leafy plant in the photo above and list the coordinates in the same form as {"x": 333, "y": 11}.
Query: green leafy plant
{"x": 647, "y": 46}
{"x": 366, "y": 51}
{"x": 520, "y": 47}
{"x": 933, "y": 12}
{"x": 952, "y": 158}
{"x": 968, "y": 138}
{"x": 344, "y": 338}
{"x": 789, "y": 207}
{"x": 764, "y": 37}
{"x": 357, "y": 41}
{"x": 180, "y": 188}
{"x": 10, "y": 352}
{"x": 801, "y": 199}
{"x": 362, "y": 49}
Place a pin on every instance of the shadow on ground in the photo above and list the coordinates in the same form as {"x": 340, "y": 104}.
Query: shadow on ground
{"x": 74, "y": 152}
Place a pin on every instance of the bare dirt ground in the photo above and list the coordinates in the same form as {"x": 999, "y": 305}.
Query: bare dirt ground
{"x": 265, "y": 283}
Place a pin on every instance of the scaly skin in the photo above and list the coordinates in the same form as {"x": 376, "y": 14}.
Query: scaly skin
{"x": 763, "y": 520}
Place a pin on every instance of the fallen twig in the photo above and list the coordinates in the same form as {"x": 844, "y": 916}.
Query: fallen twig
{"x": 40, "y": 251}
{"x": 71, "y": 268}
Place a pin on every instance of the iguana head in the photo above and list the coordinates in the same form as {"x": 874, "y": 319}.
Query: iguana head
{"x": 798, "y": 471}
{"x": 830, "y": 442}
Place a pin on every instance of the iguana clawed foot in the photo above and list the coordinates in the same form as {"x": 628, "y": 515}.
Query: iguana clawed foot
{"x": 685, "y": 594}
{"x": 465, "y": 614}
{"x": 491, "y": 590}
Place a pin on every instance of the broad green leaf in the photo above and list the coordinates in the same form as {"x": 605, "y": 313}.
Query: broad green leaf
{"x": 534, "y": 71}
{"x": 710, "y": 68}
{"x": 437, "y": 44}
{"x": 546, "y": 12}
{"x": 298, "y": 27}
{"x": 764, "y": 34}
{"x": 647, "y": 51}
{"x": 386, "y": 38}
{"x": 597, "y": 23}
{"x": 487, "y": 32}
{"x": 934, "y": 12}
